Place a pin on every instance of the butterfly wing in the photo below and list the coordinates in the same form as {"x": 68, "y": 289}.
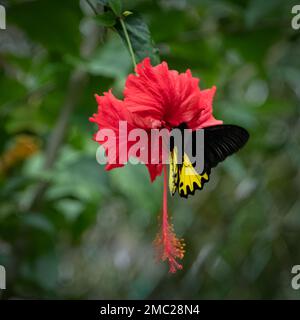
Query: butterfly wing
{"x": 220, "y": 142}
{"x": 189, "y": 179}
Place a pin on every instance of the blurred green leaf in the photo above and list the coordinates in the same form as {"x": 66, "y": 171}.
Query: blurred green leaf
{"x": 38, "y": 221}
{"x": 107, "y": 19}
{"x": 116, "y": 6}
{"x": 71, "y": 209}
{"x": 111, "y": 60}
{"x": 56, "y": 21}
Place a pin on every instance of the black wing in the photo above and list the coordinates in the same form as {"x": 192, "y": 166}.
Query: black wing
{"x": 222, "y": 141}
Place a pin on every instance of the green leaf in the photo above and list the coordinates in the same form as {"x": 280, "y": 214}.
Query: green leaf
{"x": 116, "y": 6}
{"x": 106, "y": 19}
{"x": 110, "y": 60}
{"x": 140, "y": 38}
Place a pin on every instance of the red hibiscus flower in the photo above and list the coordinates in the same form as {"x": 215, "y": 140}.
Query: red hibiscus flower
{"x": 156, "y": 97}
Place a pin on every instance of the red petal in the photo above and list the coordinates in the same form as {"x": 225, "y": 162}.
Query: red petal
{"x": 205, "y": 117}
{"x": 110, "y": 112}
{"x": 162, "y": 95}
{"x": 155, "y": 170}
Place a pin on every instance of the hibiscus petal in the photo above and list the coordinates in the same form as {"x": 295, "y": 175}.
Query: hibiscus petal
{"x": 205, "y": 117}
{"x": 159, "y": 94}
{"x": 110, "y": 112}
{"x": 155, "y": 170}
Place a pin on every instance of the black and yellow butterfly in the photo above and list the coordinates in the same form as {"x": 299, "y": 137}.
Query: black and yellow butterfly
{"x": 220, "y": 141}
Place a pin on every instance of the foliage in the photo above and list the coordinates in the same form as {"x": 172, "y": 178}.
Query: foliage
{"x": 88, "y": 235}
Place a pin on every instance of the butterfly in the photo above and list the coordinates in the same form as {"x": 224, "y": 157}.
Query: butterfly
{"x": 220, "y": 141}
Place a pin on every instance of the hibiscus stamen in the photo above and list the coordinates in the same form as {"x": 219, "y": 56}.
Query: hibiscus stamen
{"x": 169, "y": 247}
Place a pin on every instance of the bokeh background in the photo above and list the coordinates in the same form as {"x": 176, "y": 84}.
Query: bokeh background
{"x": 68, "y": 229}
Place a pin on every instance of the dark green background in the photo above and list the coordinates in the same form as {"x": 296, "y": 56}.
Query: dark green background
{"x": 89, "y": 234}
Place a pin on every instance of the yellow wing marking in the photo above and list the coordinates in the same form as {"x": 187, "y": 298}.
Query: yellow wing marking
{"x": 189, "y": 179}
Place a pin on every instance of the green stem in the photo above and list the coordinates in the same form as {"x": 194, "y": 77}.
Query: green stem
{"x": 128, "y": 42}
{"x": 125, "y": 33}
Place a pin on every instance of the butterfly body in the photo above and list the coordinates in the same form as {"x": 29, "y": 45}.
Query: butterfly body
{"x": 220, "y": 142}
